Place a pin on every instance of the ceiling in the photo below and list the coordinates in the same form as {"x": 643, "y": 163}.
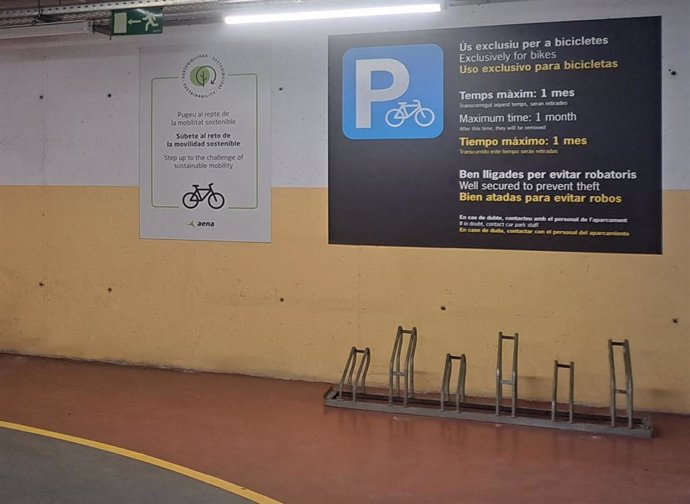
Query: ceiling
{"x": 177, "y": 12}
{"x": 21, "y": 12}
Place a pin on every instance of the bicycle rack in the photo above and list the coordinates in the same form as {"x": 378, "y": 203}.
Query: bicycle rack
{"x": 351, "y": 393}
{"x": 628, "y": 390}
{"x": 348, "y": 372}
{"x": 445, "y": 384}
{"x": 394, "y": 373}
{"x": 513, "y": 382}
{"x": 571, "y": 390}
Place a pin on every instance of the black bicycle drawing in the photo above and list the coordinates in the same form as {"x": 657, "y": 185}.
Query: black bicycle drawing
{"x": 192, "y": 199}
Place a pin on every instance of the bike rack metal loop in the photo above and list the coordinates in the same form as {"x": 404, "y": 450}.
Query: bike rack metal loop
{"x": 348, "y": 372}
{"x": 394, "y": 372}
{"x": 571, "y": 390}
{"x": 513, "y": 382}
{"x": 445, "y": 384}
{"x": 628, "y": 390}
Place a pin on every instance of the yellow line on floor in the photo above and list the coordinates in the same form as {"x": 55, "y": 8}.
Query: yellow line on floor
{"x": 185, "y": 471}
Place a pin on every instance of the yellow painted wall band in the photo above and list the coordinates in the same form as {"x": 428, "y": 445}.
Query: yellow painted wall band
{"x": 185, "y": 471}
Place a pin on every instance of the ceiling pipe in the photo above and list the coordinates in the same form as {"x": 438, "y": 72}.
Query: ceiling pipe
{"x": 47, "y": 29}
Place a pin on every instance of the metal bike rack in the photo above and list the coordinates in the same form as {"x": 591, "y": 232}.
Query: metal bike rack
{"x": 394, "y": 372}
{"x": 513, "y": 382}
{"x": 628, "y": 390}
{"x": 351, "y": 393}
{"x": 571, "y": 390}
{"x": 360, "y": 378}
{"x": 445, "y": 384}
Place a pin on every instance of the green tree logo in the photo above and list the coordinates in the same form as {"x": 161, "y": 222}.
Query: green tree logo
{"x": 202, "y": 75}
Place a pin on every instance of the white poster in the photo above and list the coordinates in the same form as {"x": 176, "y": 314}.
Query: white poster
{"x": 204, "y": 157}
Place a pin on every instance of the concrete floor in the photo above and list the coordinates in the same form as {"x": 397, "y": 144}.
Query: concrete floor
{"x": 36, "y": 469}
{"x": 276, "y": 438}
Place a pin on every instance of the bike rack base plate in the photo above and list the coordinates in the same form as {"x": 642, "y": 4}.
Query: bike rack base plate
{"x": 588, "y": 423}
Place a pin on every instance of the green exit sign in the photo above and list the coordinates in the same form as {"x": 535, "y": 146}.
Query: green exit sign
{"x": 137, "y": 21}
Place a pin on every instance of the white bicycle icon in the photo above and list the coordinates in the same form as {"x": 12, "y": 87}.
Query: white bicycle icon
{"x": 423, "y": 116}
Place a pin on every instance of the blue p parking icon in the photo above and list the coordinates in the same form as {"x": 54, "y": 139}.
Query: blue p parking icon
{"x": 393, "y": 92}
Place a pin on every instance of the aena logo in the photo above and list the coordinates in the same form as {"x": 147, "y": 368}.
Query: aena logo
{"x": 393, "y": 92}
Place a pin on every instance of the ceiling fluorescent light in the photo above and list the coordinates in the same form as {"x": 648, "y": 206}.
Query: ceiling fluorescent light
{"x": 47, "y": 29}
{"x": 297, "y": 15}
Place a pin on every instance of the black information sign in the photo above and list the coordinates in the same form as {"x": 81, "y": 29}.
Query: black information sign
{"x": 538, "y": 137}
